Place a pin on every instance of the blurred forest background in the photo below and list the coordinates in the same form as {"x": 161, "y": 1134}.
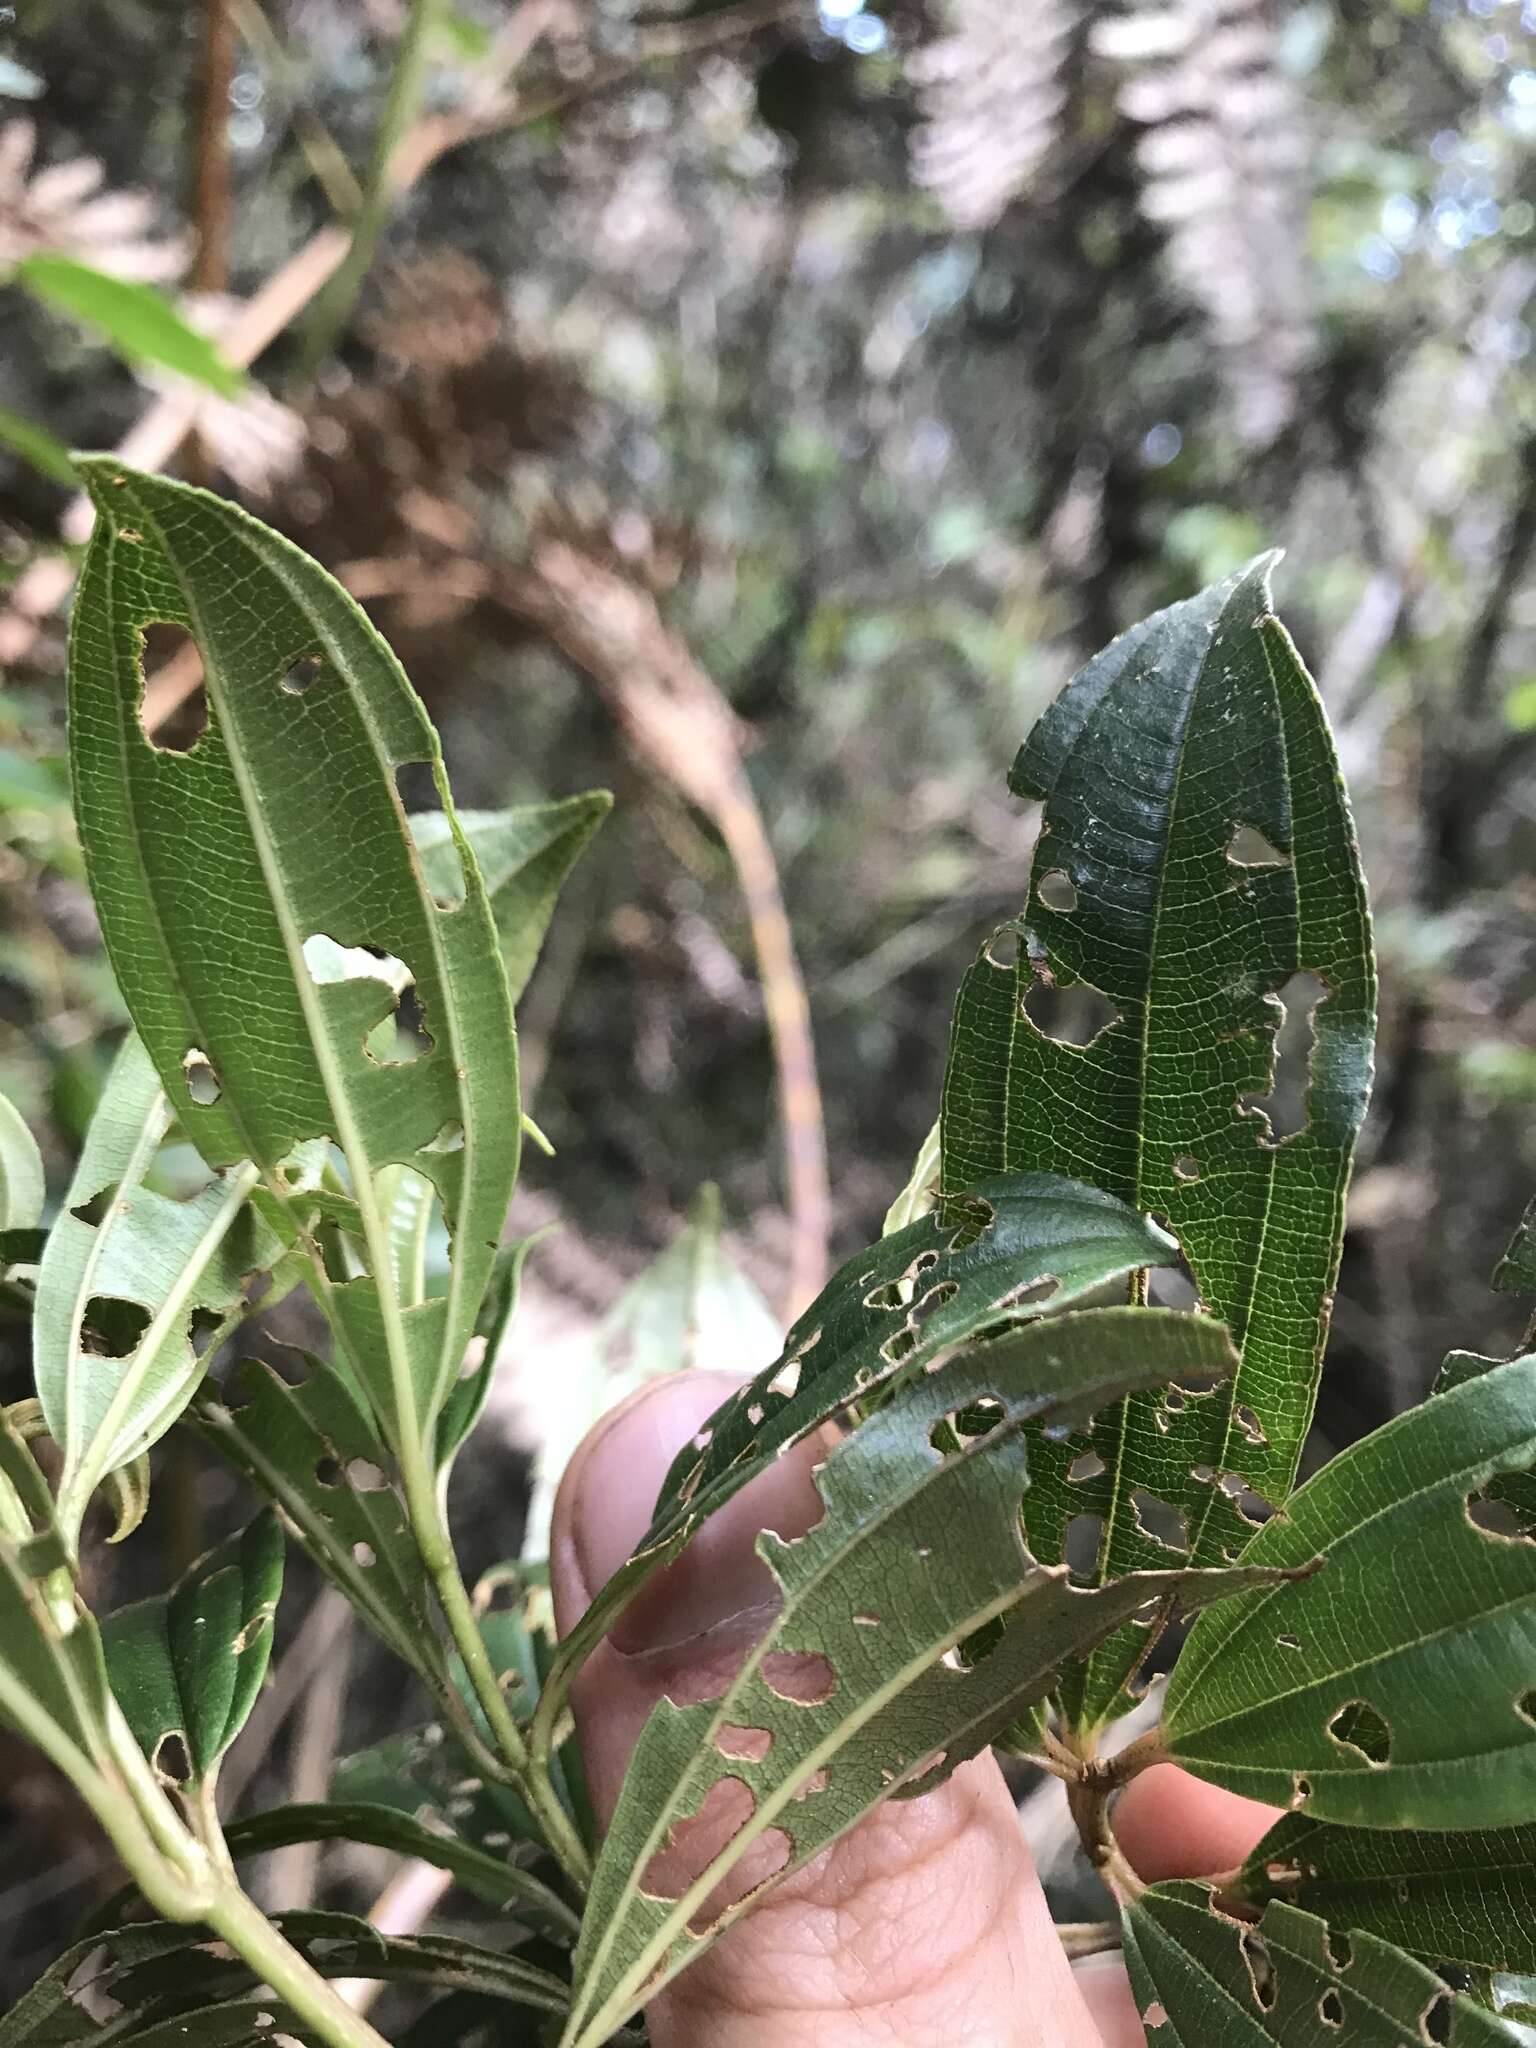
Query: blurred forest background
{"x": 759, "y": 411}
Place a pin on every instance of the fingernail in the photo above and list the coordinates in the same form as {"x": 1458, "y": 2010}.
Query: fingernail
{"x": 719, "y": 1578}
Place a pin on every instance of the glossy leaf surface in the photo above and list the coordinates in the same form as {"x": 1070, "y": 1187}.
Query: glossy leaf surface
{"x": 1394, "y": 1689}
{"x": 188, "y": 1664}
{"x": 1196, "y": 858}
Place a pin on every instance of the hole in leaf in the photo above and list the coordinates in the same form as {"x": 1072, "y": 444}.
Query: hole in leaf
{"x": 170, "y": 1762}
{"x": 803, "y": 1677}
{"x": 1287, "y": 1642}
{"x": 1330, "y": 2009}
{"x": 1084, "y": 1539}
{"x": 1282, "y": 1113}
{"x": 1249, "y": 1424}
{"x": 449, "y": 1139}
{"x": 1089, "y": 1466}
{"x": 1057, "y": 890}
{"x": 1186, "y": 1167}
{"x": 1525, "y": 1706}
{"x": 1032, "y": 1293}
{"x": 1301, "y": 1790}
{"x": 1002, "y": 949}
{"x": 203, "y": 1083}
{"x": 786, "y": 1380}
{"x": 203, "y": 1328}
{"x": 173, "y": 706}
{"x": 1248, "y": 848}
{"x": 328, "y": 1472}
{"x": 934, "y": 1299}
{"x": 301, "y": 674}
{"x": 743, "y": 1745}
{"x": 1435, "y": 2020}
{"x": 901, "y": 1346}
{"x": 1074, "y": 1015}
{"x": 96, "y": 1209}
{"x": 1357, "y": 1725}
{"x": 1161, "y": 1520}
{"x": 1156, "y": 2015}
{"x": 366, "y": 1477}
{"x": 112, "y": 1327}
{"x": 364, "y": 1554}
{"x": 818, "y": 1781}
{"x": 969, "y": 1216}
{"x": 1504, "y": 1511}
{"x": 1261, "y": 1968}
{"x": 1340, "y": 1953}
{"x": 866, "y": 1620}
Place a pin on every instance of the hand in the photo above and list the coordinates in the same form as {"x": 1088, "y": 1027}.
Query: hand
{"x": 924, "y": 1926}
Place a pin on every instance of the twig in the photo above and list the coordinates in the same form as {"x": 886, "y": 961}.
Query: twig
{"x": 334, "y": 304}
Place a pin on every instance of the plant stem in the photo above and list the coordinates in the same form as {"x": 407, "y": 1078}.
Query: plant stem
{"x": 532, "y": 1780}
{"x": 1090, "y": 1796}
{"x": 296, "y": 1981}
{"x": 337, "y": 298}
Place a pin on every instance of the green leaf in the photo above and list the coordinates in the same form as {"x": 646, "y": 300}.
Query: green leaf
{"x": 488, "y": 1877}
{"x": 37, "y": 447}
{"x": 313, "y": 1452}
{"x": 1516, "y": 1271}
{"x": 1196, "y": 854}
{"x": 171, "y": 1987}
{"x": 849, "y": 1698}
{"x": 21, "y": 1172}
{"x": 131, "y": 1286}
{"x": 465, "y": 1405}
{"x": 140, "y": 324}
{"x": 922, "y": 1189}
{"x": 189, "y": 1663}
{"x": 691, "y": 1308}
{"x": 309, "y": 912}
{"x": 525, "y": 855}
{"x": 1205, "y": 1980}
{"x": 1395, "y": 1689}
{"x": 1455, "y": 1898}
{"x": 1016, "y": 1246}
{"x": 53, "y": 1685}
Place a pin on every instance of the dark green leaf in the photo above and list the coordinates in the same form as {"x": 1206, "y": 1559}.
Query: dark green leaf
{"x": 919, "y": 1549}
{"x": 37, "y": 447}
{"x": 1205, "y": 1980}
{"x": 139, "y": 323}
{"x": 1516, "y": 1271}
{"x": 525, "y": 855}
{"x": 132, "y": 1283}
{"x": 1196, "y": 854}
{"x": 1456, "y": 1898}
{"x": 466, "y": 1403}
{"x": 21, "y": 1172}
{"x": 488, "y": 1877}
{"x": 312, "y": 1450}
{"x": 1395, "y": 1688}
{"x": 188, "y": 1664}
{"x": 310, "y": 912}
{"x": 1018, "y": 1245}
{"x": 53, "y": 1686}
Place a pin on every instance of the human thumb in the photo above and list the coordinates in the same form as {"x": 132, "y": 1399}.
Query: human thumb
{"x": 925, "y": 1924}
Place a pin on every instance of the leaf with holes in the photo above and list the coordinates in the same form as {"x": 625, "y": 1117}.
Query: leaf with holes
{"x": 1206, "y": 1980}
{"x": 1196, "y": 870}
{"x": 139, "y": 323}
{"x": 289, "y": 969}
{"x": 133, "y": 1286}
{"x": 21, "y": 1172}
{"x": 525, "y": 855}
{"x": 169, "y": 1985}
{"x": 1453, "y": 1898}
{"x": 1396, "y": 1688}
{"x": 186, "y": 1666}
{"x": 313, "y": 1452}
{"x": 860, "y": 1690}
{"x": 691, "y": 1307}
{"x": 1018, "y": 1245}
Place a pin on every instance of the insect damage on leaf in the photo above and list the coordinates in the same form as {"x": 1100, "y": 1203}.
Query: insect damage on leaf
{"x": 1186, "y": 1021}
